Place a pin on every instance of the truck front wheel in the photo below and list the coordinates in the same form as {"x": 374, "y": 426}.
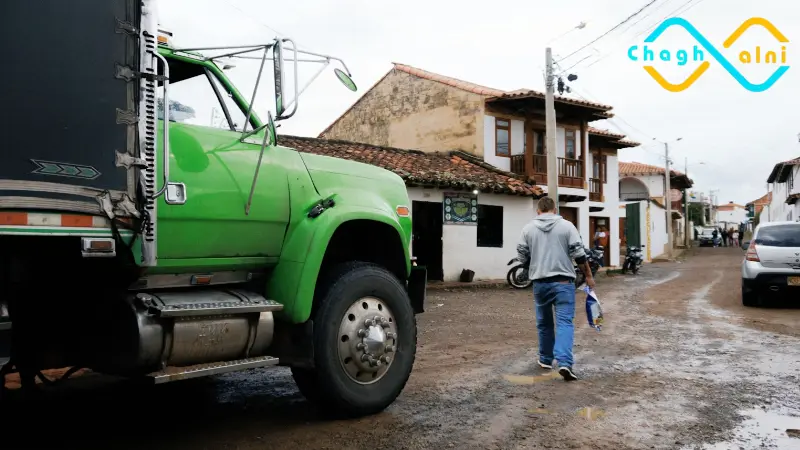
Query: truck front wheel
{"x": 365, "y": 339}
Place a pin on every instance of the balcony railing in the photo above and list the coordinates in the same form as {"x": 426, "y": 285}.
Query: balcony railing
{"x": 570, "y": 173}
{"x": 539, "y": 172}
{"x": 595, "y": 189}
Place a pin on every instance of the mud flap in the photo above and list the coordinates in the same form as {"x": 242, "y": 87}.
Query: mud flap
{"x": 417, "y": 288}
{"x": 5, "y": 342}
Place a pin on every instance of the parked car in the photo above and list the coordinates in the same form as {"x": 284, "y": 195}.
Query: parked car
{"x": 706, "y": 238}
{"x": 771, "y": 266}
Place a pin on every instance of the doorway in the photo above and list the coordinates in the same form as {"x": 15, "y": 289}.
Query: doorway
{"x": 595, "y": 223}
{"x": 426, "y": 238}
{"x": 571, "y": 214}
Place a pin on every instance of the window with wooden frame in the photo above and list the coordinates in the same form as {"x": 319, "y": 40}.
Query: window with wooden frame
{"x": 600, "y": 167}
{"x": 539, "y": 142}
{"x": 502, "y": 136}
{"x": 570, "y": 143}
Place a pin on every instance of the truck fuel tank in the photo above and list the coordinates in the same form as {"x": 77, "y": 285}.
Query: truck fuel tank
{"x": 184, "y": 328}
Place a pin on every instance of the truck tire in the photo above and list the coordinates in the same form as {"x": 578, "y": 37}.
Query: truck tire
{"x": 360, "y": 365}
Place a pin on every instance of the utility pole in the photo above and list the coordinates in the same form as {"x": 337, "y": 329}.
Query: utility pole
{"x": 668, "y": 197}
{"x": 686, "y": 206}
{"x": 550, "y": 129}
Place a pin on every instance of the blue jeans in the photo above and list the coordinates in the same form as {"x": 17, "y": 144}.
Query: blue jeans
{"x": 555, "y": 340}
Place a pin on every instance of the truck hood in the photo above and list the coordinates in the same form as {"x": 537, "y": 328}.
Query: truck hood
{"x": 357, "y": 183}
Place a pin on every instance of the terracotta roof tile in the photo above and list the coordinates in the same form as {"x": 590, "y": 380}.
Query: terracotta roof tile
{"x": 446, "y": 170}
{"x": 572, "y": 101}
{"x": 599, "y": 132}
{"x": 763, "y": 200}
{"x": 492, "y": 92}
{"x": 637, "y": 168}
{"x": 729, "y": 207}
{"x": 620, "y": 138}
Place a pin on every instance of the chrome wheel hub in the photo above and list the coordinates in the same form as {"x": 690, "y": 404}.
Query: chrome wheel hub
{"x": 367, "y": 340}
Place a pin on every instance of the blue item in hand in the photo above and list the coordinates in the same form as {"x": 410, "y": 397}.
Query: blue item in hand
{"x": 594, "y": 313}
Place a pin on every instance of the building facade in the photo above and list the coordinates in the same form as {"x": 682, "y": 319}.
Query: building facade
{"x": 467, "y": 216}
{"x": 784, "y": 184}
{"x": 645, "y": 185}
{"x": 416, "y": 109}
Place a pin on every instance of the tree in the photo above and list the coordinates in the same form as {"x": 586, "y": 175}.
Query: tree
{"x": 697, "y": 213}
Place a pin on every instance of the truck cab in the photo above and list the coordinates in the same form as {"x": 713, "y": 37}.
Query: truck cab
{"x": 165, "y": 218}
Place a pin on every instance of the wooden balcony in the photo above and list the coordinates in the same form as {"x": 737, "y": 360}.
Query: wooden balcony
{"x": 570, "y": 173}
{"x": 537, "y": 170}
{"x": 595, "y": 189}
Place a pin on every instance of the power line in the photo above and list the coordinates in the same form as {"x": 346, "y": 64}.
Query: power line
{"x": 612, "y": 29}
{"x": 679, "y": 10}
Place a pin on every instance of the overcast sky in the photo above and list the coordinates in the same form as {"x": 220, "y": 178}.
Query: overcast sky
{"x": 737, "y": 134}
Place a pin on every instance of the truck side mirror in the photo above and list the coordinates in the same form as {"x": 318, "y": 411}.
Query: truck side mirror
{"x": 272, "y": 130}
{"x": 277, "y": 60}
{"x": 345, "y": 79}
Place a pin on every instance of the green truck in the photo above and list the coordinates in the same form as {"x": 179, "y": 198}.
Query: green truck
{"x": 152, "y": 226}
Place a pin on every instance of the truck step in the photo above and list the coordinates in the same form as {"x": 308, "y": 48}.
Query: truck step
{"x": 218, "y": 308}
{"x": 204, "y": 370}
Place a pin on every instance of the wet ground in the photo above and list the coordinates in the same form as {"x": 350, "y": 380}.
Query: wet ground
{"x": 679, "y": 364}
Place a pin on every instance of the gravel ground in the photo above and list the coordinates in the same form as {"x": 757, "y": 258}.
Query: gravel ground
{"x": 679, "y": 364}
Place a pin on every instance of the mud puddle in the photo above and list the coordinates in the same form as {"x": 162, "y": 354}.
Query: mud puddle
{"x": 764, "y": 429}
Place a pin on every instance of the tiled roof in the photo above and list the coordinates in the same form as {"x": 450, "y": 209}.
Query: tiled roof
{"x": 492, "y": 92}
{"x": 782, "y": 170}
{"x": 636, "y": 168}
{"x": 451, "y": 170}
{"x": 620, "y": 138}
{"x": 765, "y": 199}
{"x": 599, "y": 132}
{"x": 729, "y": 207}
{"x": 572, "y": 101}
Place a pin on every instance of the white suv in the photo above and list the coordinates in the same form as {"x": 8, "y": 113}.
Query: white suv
{"x": 771, "y": 266}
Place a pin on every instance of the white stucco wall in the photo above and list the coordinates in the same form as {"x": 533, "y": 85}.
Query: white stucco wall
{"x": 653, "y": 231}
{"x": 737, "y": 216}
{"x": 658, "y": 230}
{"x": 629, "y": 186}
{"x": 517, "y": 142}
{"x": 778, "y": 209}
{"x": 459, "y": 242}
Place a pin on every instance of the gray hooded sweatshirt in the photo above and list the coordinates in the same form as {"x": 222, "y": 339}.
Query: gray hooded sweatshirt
{"x": 551, "y": 243}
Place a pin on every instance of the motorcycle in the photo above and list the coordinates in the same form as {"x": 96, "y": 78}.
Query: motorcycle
{"x": 517, "y": 276}
{"x": 633, "y": 260}
{"x": 595, "y": 258}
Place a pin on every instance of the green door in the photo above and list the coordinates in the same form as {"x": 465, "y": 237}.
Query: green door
{"x": 207, "y": 155}
{"x": 633, "y": 225}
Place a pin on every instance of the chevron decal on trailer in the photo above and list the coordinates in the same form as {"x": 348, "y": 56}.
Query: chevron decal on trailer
{"x": 65, "y": 170}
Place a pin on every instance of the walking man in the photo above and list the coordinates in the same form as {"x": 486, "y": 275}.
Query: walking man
{"x": 550, "y": 243}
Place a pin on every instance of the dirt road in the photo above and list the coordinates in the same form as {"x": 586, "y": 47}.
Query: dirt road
{"x": 679, "y": 364}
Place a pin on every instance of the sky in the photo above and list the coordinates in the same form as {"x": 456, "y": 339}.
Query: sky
{"x": 730, "y": 137}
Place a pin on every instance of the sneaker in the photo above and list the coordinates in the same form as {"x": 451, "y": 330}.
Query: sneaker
{"x": 545, "y": 365}
{"x": 567, "y": 373}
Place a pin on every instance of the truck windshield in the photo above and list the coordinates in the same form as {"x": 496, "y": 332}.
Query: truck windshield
{"x": 779, "y": 236}
{"x": 197, "y": 97}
